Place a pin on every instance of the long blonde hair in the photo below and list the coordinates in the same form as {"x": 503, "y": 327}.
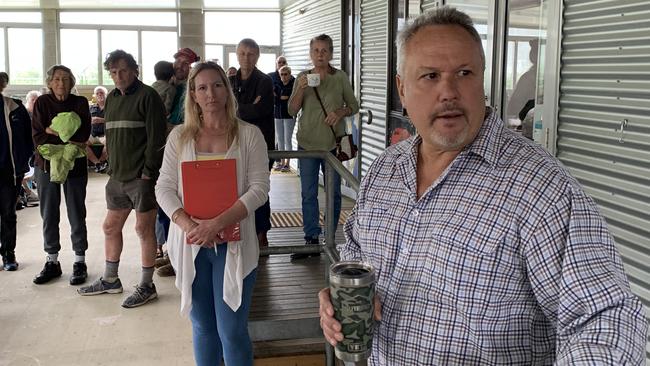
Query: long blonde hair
{"x": 193, "y": 114}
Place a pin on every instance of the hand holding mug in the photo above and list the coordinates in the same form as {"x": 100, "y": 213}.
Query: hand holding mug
{"x": 313, "y": 80}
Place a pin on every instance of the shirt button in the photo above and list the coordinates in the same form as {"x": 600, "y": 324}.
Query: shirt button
{"x": 416, "y": 213}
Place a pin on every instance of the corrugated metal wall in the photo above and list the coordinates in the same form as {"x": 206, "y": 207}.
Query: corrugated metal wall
{"x": 304, "y": 20}
{"x": 374, "y": 69}
{"x": 430, "y": 4}
{"x": 605, "y": 84}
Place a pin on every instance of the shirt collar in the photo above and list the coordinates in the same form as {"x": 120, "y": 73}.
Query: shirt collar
{"x": 130, "y": 90}
{"x": 486, "y": 144}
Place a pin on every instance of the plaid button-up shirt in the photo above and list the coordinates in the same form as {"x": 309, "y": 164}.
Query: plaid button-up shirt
{"x": 504, "y": 260}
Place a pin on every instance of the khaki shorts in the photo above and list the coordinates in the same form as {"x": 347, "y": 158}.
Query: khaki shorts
{"x": 94, "y": 140}
{"x": 137, "y": 194}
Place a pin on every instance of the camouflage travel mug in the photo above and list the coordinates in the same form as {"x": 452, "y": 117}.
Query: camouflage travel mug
{"x": 352, "y": 292}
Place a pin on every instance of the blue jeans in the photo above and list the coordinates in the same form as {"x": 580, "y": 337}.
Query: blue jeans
{"x": 283, "y": 132}
{"x": 309, "y": 191}
{"x": 217, "y": 331}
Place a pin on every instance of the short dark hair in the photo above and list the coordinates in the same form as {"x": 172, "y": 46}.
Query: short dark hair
{"x": 117, "y": 55}
{"x": 4, "y": 77}
{"x": 249, "y": 42}
{"x": 324, "y": 38}
{"x": 164, "y": 70}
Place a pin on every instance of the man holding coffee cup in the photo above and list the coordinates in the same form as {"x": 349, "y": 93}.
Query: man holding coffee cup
{"x": 486, "y": 250}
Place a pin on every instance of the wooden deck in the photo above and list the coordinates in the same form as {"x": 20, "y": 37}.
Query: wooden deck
{"x": 285, "y": 299}
{"x": 284, "y": 313}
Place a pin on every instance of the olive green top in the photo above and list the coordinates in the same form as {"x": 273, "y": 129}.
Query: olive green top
{"x": 336, "y": 92}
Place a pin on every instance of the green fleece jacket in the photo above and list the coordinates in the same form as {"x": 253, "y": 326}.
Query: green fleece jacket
{"x": 135, "y": 132}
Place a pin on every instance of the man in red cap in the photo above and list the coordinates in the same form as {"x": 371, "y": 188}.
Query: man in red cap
{"x": 183, "y": 59}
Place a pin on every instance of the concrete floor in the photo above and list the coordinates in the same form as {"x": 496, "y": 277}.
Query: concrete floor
{"x": 52, "y": 325}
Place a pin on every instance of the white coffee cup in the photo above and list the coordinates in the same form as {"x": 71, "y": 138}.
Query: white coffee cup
{"x": 313, "y": 80}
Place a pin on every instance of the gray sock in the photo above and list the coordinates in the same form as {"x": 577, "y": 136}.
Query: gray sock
{"x": 147, "y": 276}
{"x": 53, "y": 257}
{"x": 110, "y": 272}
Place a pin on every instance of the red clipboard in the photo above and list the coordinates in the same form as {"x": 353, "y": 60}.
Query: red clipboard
{"x": 210, "y": 188}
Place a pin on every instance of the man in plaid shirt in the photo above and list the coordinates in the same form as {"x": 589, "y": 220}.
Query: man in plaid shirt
{"x": 487, "y": 251}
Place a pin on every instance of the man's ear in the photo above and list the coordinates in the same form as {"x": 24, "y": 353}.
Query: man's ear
{"x": 400, "y": 89}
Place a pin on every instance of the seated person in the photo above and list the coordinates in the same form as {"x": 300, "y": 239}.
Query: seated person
{"x": 97, "y": 133}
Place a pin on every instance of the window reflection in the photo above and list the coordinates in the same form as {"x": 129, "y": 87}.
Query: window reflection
{"x": 525, "y": 34}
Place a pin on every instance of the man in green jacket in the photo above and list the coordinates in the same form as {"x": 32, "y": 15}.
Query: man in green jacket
{"x": 135, "y": 137}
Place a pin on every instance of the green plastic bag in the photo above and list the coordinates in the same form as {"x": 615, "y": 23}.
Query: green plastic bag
{"x": 66, "y": 124}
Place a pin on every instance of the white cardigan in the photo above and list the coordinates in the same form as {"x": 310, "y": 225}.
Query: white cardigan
{"x": 249, "y": 149}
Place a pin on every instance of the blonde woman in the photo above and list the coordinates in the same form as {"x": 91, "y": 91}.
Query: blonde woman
{"x": 215, "y": 278}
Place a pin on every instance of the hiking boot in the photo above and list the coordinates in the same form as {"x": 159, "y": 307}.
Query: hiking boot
{"x": 101, "y": 287}
{"x": 160, "y": 262}
{"x": 298, "y": 256}
{"x": 50, "y": 271}
{"x": 9, "y": 262}
{"x": 142, "y": 295}
{"x": 166, "y": 271}
{"x": 79, "y": 273}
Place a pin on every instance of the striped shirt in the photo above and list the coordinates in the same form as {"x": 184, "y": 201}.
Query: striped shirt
{"x": 504, "y": 260}
{"x": 135, "y": 132}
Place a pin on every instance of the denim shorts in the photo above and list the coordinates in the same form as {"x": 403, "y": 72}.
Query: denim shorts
{"x": 137, "y": 194}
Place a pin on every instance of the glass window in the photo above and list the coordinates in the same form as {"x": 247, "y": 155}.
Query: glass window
{"x": 226, "y": 27}
{"x": 215, "y": 53}
{"x": 20, "y": 3}
{"x": 156, "y": 46}
{"x": 25, "y": 56}
{"x": 117, "y": 39}
{"x": 525, "y": 35}
{"x": 83, "y": 64}
{"x": 3, "y": 67}
{"x": 480, "y": 11}
{"x": 117, "y": 4}
{"x": 165, "y": 19}
{"x": 20, "y": 17}
{"x": 238, "y": 4}
{"x": 266, "y": 63}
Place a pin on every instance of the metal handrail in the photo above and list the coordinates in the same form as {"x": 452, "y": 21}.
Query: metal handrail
{"x": 331, "y": 253}
{"x": 331, "y": 163}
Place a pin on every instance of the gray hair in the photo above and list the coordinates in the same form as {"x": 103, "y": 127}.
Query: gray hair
{"x": 285, "y": 68}
{"x": 32, "y": 93}
{"x": 53, "y": 69}
{"x": 442, "y": 16}
{"x": 99, "y": 87}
